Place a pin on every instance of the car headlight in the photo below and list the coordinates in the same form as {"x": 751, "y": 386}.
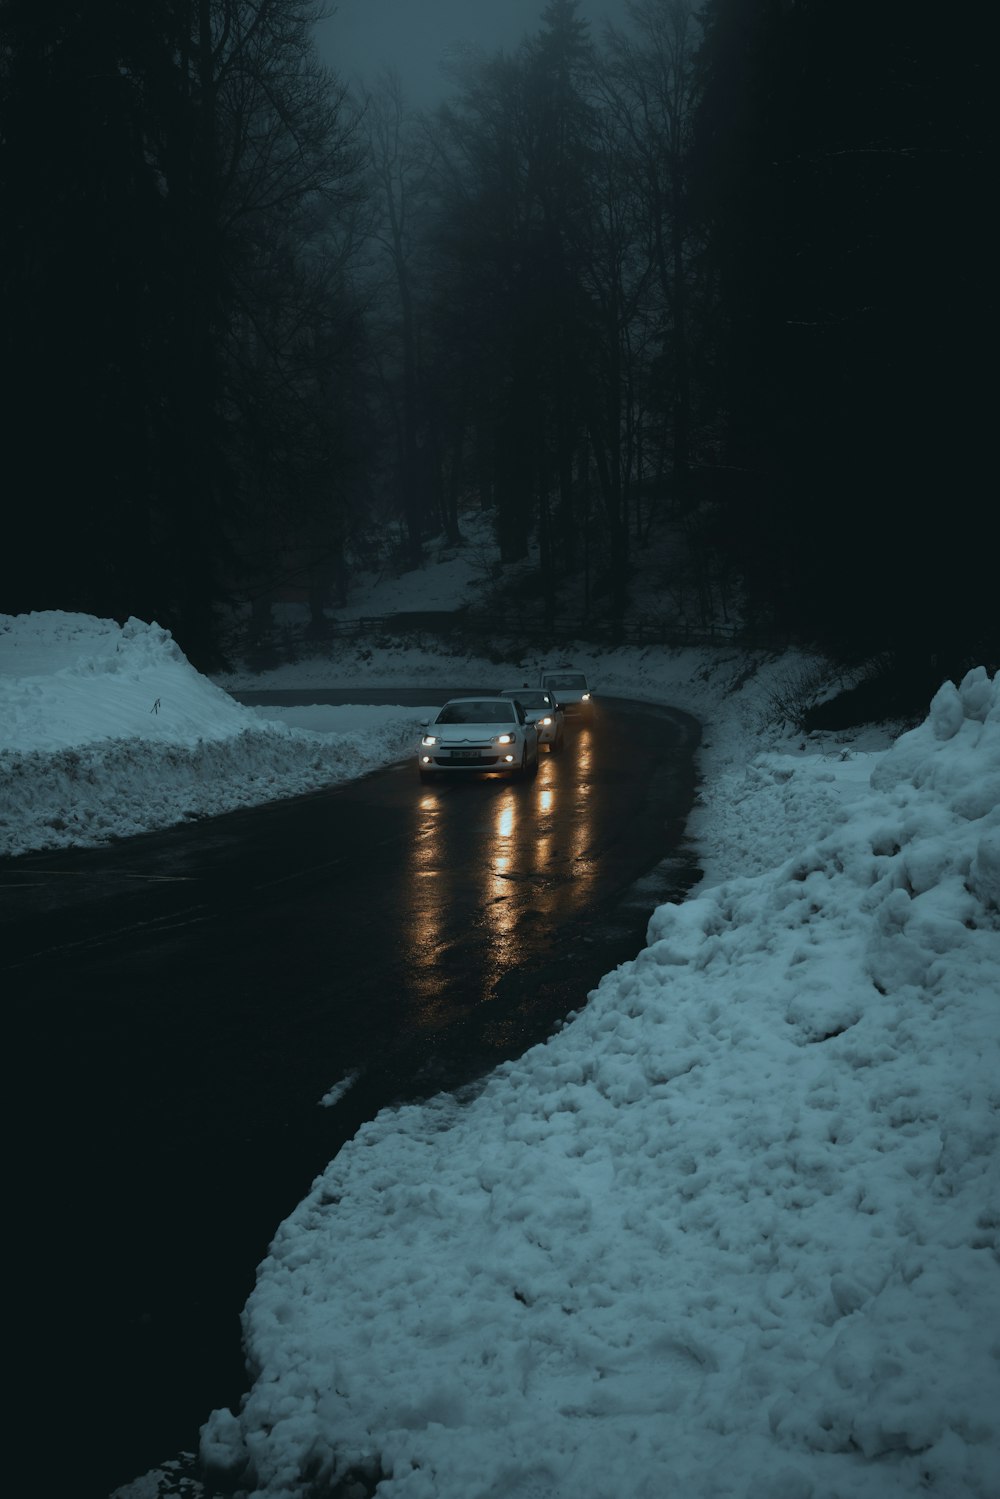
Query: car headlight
{"x": 545, "y": 722}
{"x": 505, "y": 739}
{"x": 585, "y": 698}
{"x": 429, "y": 739}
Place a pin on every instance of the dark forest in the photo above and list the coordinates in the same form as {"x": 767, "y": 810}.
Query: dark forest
{"x": 720, "y": 275}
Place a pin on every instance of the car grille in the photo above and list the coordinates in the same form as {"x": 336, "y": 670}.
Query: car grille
{"x": 471, "y": 758}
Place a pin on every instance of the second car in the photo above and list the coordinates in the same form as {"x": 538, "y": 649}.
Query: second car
{"x": 546, "y": 713}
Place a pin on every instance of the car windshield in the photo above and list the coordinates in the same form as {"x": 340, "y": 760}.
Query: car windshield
{"x": 532, "y": 699}
{"x": 473, "y": 712}
{"x": 569, "y": 681}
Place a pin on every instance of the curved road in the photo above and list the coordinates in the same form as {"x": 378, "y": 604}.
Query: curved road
{"x": 180, "y": 1002}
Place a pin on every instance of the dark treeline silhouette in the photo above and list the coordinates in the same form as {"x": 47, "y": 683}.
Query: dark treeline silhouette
{"x": 840, "y": 160}
{"x": 177, "y": 178}
{"x": 718, "y": 276}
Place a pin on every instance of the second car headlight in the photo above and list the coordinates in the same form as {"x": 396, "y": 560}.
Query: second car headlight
{"x": 429, "y": 739}
{"x": 505, "y": 739}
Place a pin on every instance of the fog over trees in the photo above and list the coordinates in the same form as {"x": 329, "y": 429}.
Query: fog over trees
{"x": 719, "y": 276}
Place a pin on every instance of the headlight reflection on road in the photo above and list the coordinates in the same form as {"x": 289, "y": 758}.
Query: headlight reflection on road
{"x": 505, "y": 821}
{"x": 579, "y": 824}
{"x": 480, "y": 906}
{"x": 425, "y": 925}
{"x": 581, "y": 820}
{"x": 545, "y": 801}
{"x": 436, "y": 924}
{"x": 500, "y": 907}
{"x": 584, "y": 757}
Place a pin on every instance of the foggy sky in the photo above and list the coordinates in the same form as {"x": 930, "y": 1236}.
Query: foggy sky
{"x": 412, "y": 35}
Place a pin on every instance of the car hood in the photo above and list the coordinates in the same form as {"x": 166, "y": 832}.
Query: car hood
{"x": 469, "y": 733}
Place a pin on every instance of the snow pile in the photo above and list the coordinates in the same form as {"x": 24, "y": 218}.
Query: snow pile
{"x": 107, "y": 730}
{"x": 732, "y": 1232}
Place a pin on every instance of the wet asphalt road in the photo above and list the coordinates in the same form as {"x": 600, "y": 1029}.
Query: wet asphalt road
{"x": 177, "y": 1005}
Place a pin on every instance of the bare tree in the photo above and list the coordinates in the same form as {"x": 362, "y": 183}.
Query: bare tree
{"x": 398, "y": 168}
{"x": 648, "y": 86}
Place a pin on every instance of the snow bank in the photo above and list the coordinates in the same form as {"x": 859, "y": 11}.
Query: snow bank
{"x": 107, "y": 730}
{"x": 732, "y": 1232}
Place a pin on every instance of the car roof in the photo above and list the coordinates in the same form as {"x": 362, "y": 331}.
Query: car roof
{"x": 494, "y": 698}
{"x": 516, "y": 691}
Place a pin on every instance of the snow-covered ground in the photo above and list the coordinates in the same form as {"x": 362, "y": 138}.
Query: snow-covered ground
{"x": 734, "y": 1230}
{"x": 451, "y": 577}
{"x": 107, "y": 731}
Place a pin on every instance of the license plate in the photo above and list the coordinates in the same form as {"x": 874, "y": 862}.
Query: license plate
{"x": 463, "y": 757}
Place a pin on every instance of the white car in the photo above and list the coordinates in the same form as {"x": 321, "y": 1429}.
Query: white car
{"x": 477, "y": 734}
{"x": 569, "y": 687}
{"x": 547, "y": 715}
